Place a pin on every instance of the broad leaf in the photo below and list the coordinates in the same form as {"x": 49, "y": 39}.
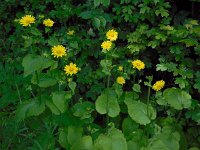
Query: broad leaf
{"x": 85, "y": 143}
{"x": 138, "y": 111}
{"x": 29, "y": 108}
{"x": 107, "y": 103}
{"x": 60, "y": 101}
{"x": 32, "y": 63}
{"x": 177, "y": 98}
{"x": 114, "y": 140}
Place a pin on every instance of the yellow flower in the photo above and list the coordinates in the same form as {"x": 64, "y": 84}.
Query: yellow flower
{"x": 71, "y": 69}
{"x": 27, "y": 20}
{"x": 158, "y": 85}
{"x": 58, "y": 51}
{"x": 120, "y": 68}
{"x": 120, "y": 80}
{"x": 138, "y": 64}
{"x": 48, "y": 22}
{"x": 71, "y": 32}
{"x": 106, "y": 45}
{"x": 112, "y": 35}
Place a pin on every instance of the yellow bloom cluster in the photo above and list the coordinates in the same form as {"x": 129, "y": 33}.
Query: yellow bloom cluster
{"x": 27, "y": 20}
{"x": 58, "y": 51}
{"x": 120, "y": 80}
{"x": 111, "y": 35}
{"x": 48, "y": 22}
{"x": 138, "y": 64}
{"x": 71, "y": 69}
{"x": 106, "y": 45}
{"x": 158, "y": 85}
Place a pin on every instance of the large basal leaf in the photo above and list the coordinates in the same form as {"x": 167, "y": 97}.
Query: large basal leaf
{"x": 138, "y": 111}
{"x": 114, "y": 140}
{"x": 32, "y": 63}
{"x": 74, "y": 134}
{"x": 167, "y": 140}
{"x": 83, "y": 109}
{"x": 60, "y": 101}
{"x": 177, "y": 98}
{"x": 44, "y": 80}
{"x": 29, "y": 108}
{"x": 85, "y": 143}
{"x": 107, "y": 103}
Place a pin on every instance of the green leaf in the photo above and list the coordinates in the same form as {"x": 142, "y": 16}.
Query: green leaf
{"x": 97, "y": 3}
{"x": 63, "y": 137}
{"x": 161, "y": 67}
{"x": 96, "y": 22}
{"x": 86, "y": 15}
{"x": 105, "y": 2}
{"x": 53, "y": 41}
{"x": 29, "y": 108}
{"x": 136, "y": 88}
{"x": 103, "y": 21}
{"x": 177, "y": 98}
{"x": 129, "y": 126}
{"x": 28, "y": 42}
{"x": 35, "y": 31}
{"x": 106, "y": 66}
{"x": 167, "y": 140}
{"x": 107, "y": 103}
{"x": 74, "y": 134}
{"x": 138, "y": 111}
{"x": 44, "y": 80}
{"x": 72, "y": 86}
{"x": 114, "y": 140}
{"x": 32, "y": 63}
{"x": 85, "y": 143}
{"x": 53, "y": 107}
{"x": 83, "y": 109}
{"x": 60, "y": 101}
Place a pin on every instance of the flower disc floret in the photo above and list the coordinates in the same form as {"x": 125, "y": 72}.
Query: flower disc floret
{"x": 71, "y": 69}
{"x": 106, "y": 45}
{"x": 58, "y": 51}
{"x": 27, "y": 20}
{"x": 112, "y": 35}
{"x": 138, "y": 64}
{"x": 158, "y": 85}
{"x": 48, "y": 22}
{"x": 120, "y": 80}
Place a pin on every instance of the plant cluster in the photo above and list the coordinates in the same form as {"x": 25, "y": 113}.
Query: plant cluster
{"x": 99, "y": 75}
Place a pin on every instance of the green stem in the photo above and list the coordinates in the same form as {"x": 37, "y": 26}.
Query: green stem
{"x": 107, "y": 109}
{"x": 37, "y": 78}
{"x": 148, "y": 97}
{"x": 20, "y": 100}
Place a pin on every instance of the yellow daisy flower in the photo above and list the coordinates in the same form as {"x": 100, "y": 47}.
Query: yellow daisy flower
{"x": 58, "y": 51}
{"x": 27, "y": 20}
{"x": 158, "y": 85}
{"x": 48, "y": 22}
{"x": 120, "y": 80}
{"x": 106, "y": 45}
{"x": 120, "y": 68}
{"x": 71, "y": 69}
{"x": 138, "y": 64}
{"x": 70, "y": 32}
{"x": 112, "y": 35}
